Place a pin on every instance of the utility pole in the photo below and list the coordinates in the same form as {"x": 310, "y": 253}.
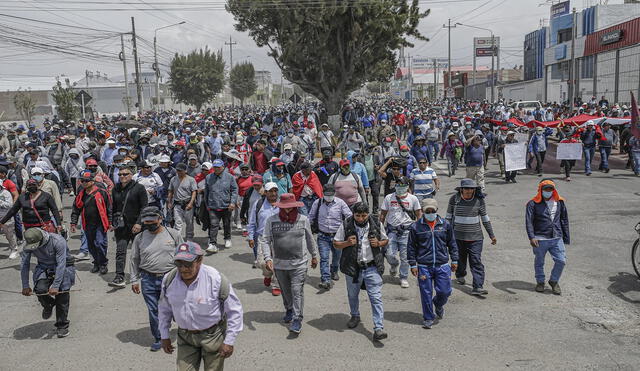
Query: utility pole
{"x": 449, "y": 67}
{"x": 137, "y": 66}
{"x": 572, "y": 66}
{"x": 231, "y": 43}
{"x": 123, "y": 58}
{"x": 156, "y": 68}
{"x": 410, "y": 78}
{"x": 493, "y": 77}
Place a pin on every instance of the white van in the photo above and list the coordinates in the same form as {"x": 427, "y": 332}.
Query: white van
{"x": 530, "y": 105}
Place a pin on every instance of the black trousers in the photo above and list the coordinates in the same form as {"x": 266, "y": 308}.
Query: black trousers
{"x": 510, "y": 175}
{"x": 215, "y": 218}
{"x": 123, "y": 237}
{"x": 60, "y": 301}
{"x": 375, "y": 195}
{"x": 540, "y": 161}
{"x": 567, "y": 165}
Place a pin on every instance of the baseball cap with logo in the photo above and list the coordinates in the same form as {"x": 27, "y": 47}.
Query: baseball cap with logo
{"x": 188, "y": 251}
{"x": 33, "y": 237}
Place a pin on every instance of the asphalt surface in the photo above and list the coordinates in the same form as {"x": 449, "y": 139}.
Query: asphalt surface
{"x": 594, "y": 325}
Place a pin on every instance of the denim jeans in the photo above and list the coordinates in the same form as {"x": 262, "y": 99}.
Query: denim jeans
{"x": 150, "y": 286}
{"x": 308, "y": 202}
{"x": 471, "y": 251}
{"x": 325, "y": 247}
{"x": 373, "y": 284}
{"x": 97, "y": 243}
{"x": 398, "y": 244}
{"x": 83, "y": 242}
{"x": 430, "y": 278}
{"x": 433, "y": 148}
{"x": 636, "y": 162}
{"x": 604, "y": 157}
{"x": 215, "y": 218}
{"x": 555, "y": 248}
{"x": 589, "y": 152}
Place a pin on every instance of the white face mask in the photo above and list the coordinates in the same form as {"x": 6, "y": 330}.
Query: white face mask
{"x": 329, "y": 198}
{"x": 401, "y": 190}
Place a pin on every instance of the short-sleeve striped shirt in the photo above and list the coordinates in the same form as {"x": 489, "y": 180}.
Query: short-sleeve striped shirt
{"x": 423, "y": 181}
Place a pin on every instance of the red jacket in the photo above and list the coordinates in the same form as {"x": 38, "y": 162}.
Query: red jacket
{"x": 312, "y": 181}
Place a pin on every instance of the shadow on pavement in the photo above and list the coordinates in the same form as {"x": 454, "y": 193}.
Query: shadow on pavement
{"x": 261, "y": 316}
{"x": 141, "y": 336}
{"x": 408, "y": 317}
{"x": 38, "y": 330}
{"x": 338, "y": 322}
{"x": 510, "y": 286}
{"x": 242, "y": 258}
{"x": 623, "y": 284}
{"x": 252, "y": 286}
{"x": 16, "y": 267}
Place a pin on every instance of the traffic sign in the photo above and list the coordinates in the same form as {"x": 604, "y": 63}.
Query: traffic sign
{"x": 295, "y": 98}
{"x": 83, "y": 98}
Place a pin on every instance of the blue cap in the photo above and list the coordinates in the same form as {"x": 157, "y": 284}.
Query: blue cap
{"x": 188, "y": 251}
{"x": 218, "y": 163}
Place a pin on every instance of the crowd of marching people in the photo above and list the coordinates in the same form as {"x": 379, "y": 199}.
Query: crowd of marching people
{"x": 351, "y": 200}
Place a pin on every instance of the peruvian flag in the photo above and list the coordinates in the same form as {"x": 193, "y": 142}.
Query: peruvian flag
{"x": 635, "y": 114}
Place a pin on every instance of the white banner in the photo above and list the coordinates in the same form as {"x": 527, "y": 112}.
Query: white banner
{"x": 569, "y": 151}
{"x": 522, "y": 138}
{"x": 515, "y": 156}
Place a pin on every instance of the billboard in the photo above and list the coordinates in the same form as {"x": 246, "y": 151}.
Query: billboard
{"x": 560, "y": 9}
{"x": 482, "y": 46}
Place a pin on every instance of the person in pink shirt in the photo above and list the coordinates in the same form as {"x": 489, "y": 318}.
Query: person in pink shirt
{"x": 201, "y": 301}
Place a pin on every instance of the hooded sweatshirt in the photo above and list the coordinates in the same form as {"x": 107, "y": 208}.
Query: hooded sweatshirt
{"x": 358, "y": 168}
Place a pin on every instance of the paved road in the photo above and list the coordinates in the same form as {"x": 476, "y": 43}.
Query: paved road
{"x": 593, "y": 325}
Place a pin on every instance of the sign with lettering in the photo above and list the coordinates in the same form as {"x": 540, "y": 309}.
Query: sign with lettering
{"x": 560, "y": 9}
{"x": 611, "y": 37}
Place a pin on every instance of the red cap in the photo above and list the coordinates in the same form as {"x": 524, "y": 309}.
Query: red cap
{"x": 257, "y": 179}
{"x": 91, "y": 161}
{"x": 344, "y": 162}
{"x": 504, "y": 128}
{"x": 404, "y": 148}
{"x": 181, "y": 143}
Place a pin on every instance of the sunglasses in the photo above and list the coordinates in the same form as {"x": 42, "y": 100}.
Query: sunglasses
{"x": 123, "y": 174}
{"x": 183, "y": 264}
{"x": 146, "y": 167}
{"x": 36, "y": 174}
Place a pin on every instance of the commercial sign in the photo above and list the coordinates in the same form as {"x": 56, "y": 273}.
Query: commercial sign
{"x": 422, "y": 63}
{"x": 482, "y": 46}
{"x": 560, "y": 9}
{"x": 457, "y": 80}
{"x": 611, "y": 37}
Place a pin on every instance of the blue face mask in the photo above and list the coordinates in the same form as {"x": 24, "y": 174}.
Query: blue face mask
{"x": 547, "y": 194}
{"x": 431, "y": 216}
{"x": 38, "y": 178}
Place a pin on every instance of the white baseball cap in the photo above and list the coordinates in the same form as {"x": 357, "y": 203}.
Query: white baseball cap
{"x": 269, "y": 186}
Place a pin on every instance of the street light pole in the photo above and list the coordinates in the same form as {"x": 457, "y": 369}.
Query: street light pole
{"x": 493, "y": 54}
{"x": 156, "y": 66}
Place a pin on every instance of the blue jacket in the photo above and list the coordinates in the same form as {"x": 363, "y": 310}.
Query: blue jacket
{"x": 533, "y": 143}
{"x": 220, "y": 191}
{"x": 421, "y": 152}
{"x": 538, "y": 221}
{"x": 432, "y": 248}
{"x": 358, "y": 168}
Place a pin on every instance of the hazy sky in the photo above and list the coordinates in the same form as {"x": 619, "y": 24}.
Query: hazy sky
{"x": 212, "y": 26}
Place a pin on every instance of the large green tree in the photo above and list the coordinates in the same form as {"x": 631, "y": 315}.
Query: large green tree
{"x": 24, "y": 104}
{"x": 242, "y": 81}
{"x": 332, "y": 47}
{"x": 64, "y": 97}
{"x": 196, "y": 78}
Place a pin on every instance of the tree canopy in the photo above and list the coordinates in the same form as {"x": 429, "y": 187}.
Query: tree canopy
{"x": 331, "y": 48}
{"x": 24, "y": 104}
{"x": 196, "y": 78}
{"x": 63, "y": 96}
{"x": 242, "y": 81}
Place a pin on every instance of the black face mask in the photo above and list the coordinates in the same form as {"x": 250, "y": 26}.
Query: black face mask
{"x": 363, "y": 224}
{"x": 32, "y": 189}
{"x": 152, "y": 227}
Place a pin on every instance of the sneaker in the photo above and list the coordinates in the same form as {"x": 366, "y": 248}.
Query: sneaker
{"x": 353, "y": 322}
{"x": 95, "y": 269}
{"x": 379, "y": 334}
{"x": 439, "y": 312}
{"x": 47, "y": 311}
{"x": 227, "y": 244}
{"x": 540, "y": 287}
{"x": 212, "y": 248}
{"x": 460, "y": 280}
{"x": 14, "y": 254}
{"x": 82, "y": 256}
{"x": 118, "y": 282}
{"x": 478, "y": 291}
{"x": 555, "y": 288}
{"x": 254, "y": 265}
{"x": 239, "y": 226}
{"x": 335, "y": 276}
{"x": 393, "y": 271}
{"x": 276, "y": 291}
{"x": 296, "y": 326}
{"x": 63, "y": 332}
{"x": 155, "y": 347}
{"x": 404, "y": 284}
{"x": 288, "y": 316}
{"x": 427, "y": 324}
{"x": 513, "y": 181}
{"x": 267, "y": 281}
{"x": 325, "y": 285}
{"x": 104, "y": 270}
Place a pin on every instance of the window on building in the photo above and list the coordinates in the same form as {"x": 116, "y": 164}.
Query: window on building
{"x": 564, "y": 35}
{"x": 560, "y": 71}
{"x": 586, "y": 67}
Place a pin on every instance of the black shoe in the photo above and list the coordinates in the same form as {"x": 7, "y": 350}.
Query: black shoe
{"x": 478, "y": 291}
{"x": 47, "y": 312}
{"x": 63, "y": 332}
{"x": 95, "y": 269}
{"x": 513, "y": 181}
{"x": 325, "y": 285}
{"x": 460, "y": 280}
{"x": 555, "y": 288}
{"x": 540, "y": 287}
{"x": 335, "y": 276}
{"x": 353, "y": 322}
{"x": 118, "y": 282}
{"x": 104, "y": 270}
{"x": 379, "y": 334}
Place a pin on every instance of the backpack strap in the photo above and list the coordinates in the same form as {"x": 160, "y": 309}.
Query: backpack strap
{"x": 168, "y": 279}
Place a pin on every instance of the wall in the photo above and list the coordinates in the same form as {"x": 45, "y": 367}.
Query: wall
{"x": 523, "y": 90}
{"x": 41, "y": 98}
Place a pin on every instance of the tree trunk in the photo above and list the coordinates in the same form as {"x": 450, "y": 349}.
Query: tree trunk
{"x": 334, "y": 108}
